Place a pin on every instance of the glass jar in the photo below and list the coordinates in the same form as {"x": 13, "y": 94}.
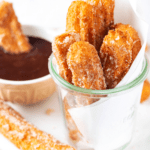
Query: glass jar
{"x": 99, "y": 119}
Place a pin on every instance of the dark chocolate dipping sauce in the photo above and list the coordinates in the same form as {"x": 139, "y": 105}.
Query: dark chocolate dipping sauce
{"x": 26, "y": 66}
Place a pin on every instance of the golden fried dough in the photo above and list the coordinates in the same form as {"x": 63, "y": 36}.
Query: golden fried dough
{"x": 74, "y": 133}
{"x": 23, "y": 134}
{"x": 85, "y": 65}
{"x": 74, "y": 101}
{"x": 79, "y": 19}
{"x": 12, "y": 38}
{"x": 133, "y": 35}
{"x": 146, "y": 91}
{"x": 107, "y": 11}
{"x": 108, "y": 7}
{"x": 104, "y": 18}
{"x": 60, "y": 48}
{"x": 116, "y": 56}
{"x": 87, "y": 20}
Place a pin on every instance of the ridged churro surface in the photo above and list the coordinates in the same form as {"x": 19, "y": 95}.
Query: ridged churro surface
{"x": 107, "y": 10}
{"x": 85, "y": 65}
{"x": 60, "y": 48}
{"x": 82, "y": 18}
{"x": 12, "y": 38}
{"x": 91, "y": 18}
{"x": 132, "y": 33}
{"x": 116, "y": 56}
{"x": 23, "y": 134}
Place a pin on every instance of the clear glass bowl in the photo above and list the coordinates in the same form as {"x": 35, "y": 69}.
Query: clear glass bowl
{"x": 99, "y": 119}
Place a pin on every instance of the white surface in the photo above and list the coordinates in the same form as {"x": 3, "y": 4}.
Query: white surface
{"x": 54, "y": 124}
{"x": 52, "y": 14}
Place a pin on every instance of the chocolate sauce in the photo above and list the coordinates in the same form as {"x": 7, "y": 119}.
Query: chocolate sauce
{"x": 26, "y": 66}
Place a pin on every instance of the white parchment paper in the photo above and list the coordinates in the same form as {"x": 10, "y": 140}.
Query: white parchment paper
{"x": 108, "y": 124}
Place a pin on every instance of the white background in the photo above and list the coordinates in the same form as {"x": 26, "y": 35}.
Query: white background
{"x": 52, "y": 14}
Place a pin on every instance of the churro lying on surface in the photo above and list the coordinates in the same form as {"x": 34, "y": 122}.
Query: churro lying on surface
{"x": 116, "y": 56}
{"x": 12, "y": 38}
{"x": 23, "y": 134}
{"x": 60, "y": 48}
{"x": 88, "y": 20}
{"x": 85, "y": 65}
{"x": 146, "y": 91}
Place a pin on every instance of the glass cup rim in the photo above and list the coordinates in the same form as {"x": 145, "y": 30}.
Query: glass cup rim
{"x": 142, "y": 76}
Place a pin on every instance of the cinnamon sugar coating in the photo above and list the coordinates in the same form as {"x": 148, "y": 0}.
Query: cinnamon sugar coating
{"x": 79, "y": 19}
{"x": 89, "y": 20}
{"x": 85, "y": 65}
{"x": 105, "y": 15}
{"x": 60, "y": 48}
{"x": 133, "y": 35}
{"x": 116, "y": 56}
{"x": 23, "y": 134}
{"x": 12, "y": 38}
{"x": 108, "y": 7}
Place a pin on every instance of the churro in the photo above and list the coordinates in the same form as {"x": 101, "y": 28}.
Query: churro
{"x": 107, "y": 9}
{"x": 105, "y": 14}
{"x": 146, "y": 91}
{"x": 74, "y": 133}
{"x": 60, "y": 48}
{"x": 12, "y": 38}
{"x": 23, "y": 134}
{"x": 116, "y": 56}
{"x": 132, "y": 33}
{"x": 79, "y": 19}
{"x": 87, "y": 20}
{"x": 85, "y": 65}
